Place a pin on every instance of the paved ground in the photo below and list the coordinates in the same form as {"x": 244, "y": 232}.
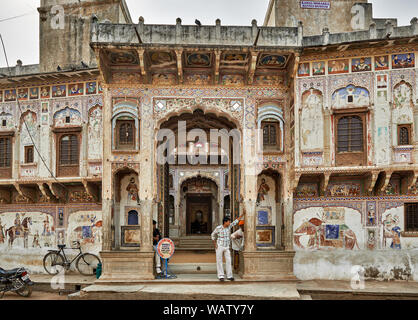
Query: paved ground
{"x": 190, "y": 285}
{"x": 36, "y": 295}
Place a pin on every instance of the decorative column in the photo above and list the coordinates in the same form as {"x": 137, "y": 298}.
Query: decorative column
{"x": 327, "y": 137}
{"x": 107, "y": 190}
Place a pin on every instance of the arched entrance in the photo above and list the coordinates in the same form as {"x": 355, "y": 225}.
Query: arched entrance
{"x": 199, "y": 168}
{"x": 199, "y": 206}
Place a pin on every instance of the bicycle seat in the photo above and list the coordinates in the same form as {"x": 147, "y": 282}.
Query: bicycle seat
{"x": 61, "y": 246}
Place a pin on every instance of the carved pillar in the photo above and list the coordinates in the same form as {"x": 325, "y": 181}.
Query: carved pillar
{"x": 415, "y": 135}
{"x": 16, "y": 156}
{"x": 288, "y": 210}
{"x": 84, "y": 153}
{"x": 327, "y": 137}
{"x": 107, "y": 190}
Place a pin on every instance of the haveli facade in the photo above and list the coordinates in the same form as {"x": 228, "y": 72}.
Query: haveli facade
{"x": 335, "y": 187}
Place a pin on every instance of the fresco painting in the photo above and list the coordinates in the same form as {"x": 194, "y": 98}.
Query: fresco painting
{"x": 327, "y": 228}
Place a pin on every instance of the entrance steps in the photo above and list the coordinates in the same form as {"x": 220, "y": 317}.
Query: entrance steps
{"x": 190, "y": 287}
{"x": 195, "y": 243}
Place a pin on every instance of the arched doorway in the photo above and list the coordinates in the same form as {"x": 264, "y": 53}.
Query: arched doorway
{"x": 200, "y": 206}
{"x": 195, "y": 160}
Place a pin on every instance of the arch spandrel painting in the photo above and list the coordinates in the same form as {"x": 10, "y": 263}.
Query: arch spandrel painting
{"x": 61, "y": 118}
{"x": 312, "y": 121}
{"x": 350, "y": 97}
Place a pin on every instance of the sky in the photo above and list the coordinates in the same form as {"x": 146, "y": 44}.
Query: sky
{"x": 19, "y": 22}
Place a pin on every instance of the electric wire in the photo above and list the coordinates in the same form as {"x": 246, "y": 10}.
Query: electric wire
{"x": 24, "y": 121}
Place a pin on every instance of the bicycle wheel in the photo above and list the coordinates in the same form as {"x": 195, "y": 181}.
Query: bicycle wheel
{"x": 87, "y": 264}
{"x": 54, "y": 263}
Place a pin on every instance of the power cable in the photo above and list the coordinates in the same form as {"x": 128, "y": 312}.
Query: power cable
{"x": 24, "y": 121}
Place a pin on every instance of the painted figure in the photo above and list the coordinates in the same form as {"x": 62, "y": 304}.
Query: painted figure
{"x": 371, "y": 218}
{"x": 35, "y": 242}
{"x": 132, "y": 189}
{"x": 1, "y": 233}
{"x": 392, "y": 230}
{"x": 262, "y": 191}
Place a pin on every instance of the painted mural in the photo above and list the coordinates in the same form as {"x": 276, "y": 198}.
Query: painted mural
{"x": 61, "y": 118}
{"x": 95, "y": 129}
{"x": 406, "y": 60}
{"x": 266, "y": 211}
{"x": 361, "y": 64}
{"x": 351, "y": 96}
{"x": 320, "y": 228}
{"x": 381, "y": 63}
{"x": 26, "y": 230}
{"x": 402, "y": 103}
{"x": 85, "y": 227}
{"x": 338, "y": 66}
{"x": 312, "y": 121}
{"x": 318, "y": 68}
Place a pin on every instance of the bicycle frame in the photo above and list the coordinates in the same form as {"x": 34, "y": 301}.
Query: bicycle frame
{"x": 67, "y": 262}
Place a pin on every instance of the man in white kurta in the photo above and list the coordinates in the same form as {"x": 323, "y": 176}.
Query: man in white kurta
{"x": 221, "y": 237}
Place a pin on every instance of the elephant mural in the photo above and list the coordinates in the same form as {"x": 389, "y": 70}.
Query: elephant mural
{"x": 325, "y": 235}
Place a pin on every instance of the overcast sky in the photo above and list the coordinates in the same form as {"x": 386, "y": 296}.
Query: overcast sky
{"x": 20, "y": 33}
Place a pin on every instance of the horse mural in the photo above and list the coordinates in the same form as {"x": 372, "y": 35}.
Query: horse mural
{"x": 19, "y": 231}
{"x": 324, "y": 235}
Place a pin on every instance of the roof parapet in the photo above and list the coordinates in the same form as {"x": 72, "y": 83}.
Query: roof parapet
{"x": 179, "y": 34}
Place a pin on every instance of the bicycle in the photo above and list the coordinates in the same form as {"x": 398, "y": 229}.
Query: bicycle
{"x": 86, "y": 263}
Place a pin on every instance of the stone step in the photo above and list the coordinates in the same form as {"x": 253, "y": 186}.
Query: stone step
{"x": 200, "y": 288}
{"x": 191, "y": 268}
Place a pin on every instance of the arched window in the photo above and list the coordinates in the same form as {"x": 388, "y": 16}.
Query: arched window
{"x": 132, "y": 218}
{"x": 270, "y": 134}
{"x": 125, "y": 131}
{"x": 69, "y": 150}
{"x": 350, "y": 134}
{"x": 404, "y": 134}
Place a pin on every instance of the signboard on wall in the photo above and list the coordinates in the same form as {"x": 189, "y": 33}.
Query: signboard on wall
{"x": 326, "y": 5}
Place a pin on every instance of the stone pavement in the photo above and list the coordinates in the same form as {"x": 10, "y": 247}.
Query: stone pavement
{"x": 206, "y": 286}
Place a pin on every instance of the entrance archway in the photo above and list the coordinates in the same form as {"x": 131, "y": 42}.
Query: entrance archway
{"x": 192, "y": 220}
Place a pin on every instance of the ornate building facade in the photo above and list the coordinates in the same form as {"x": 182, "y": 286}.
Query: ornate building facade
{"x": 334, "y": 186}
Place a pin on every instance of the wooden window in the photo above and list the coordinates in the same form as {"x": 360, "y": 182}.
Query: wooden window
{"x": 29, "y": 154}
{"x": 68, "y": 155}
{"x": 5, "y": 157}
{"x": 350, "y": 134}
{"x": 5, "y": 152}
{"x": 271, "y": 134}
{"x": 125, "y": 134}
{"x": 411, "y": 216}
{"x": 404, "y": 135}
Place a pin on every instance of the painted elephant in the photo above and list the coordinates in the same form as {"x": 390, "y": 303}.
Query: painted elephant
{"x": 316, "y": 229}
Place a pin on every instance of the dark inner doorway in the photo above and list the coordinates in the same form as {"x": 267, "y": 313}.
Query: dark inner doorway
{"x": 198, "y": 214}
